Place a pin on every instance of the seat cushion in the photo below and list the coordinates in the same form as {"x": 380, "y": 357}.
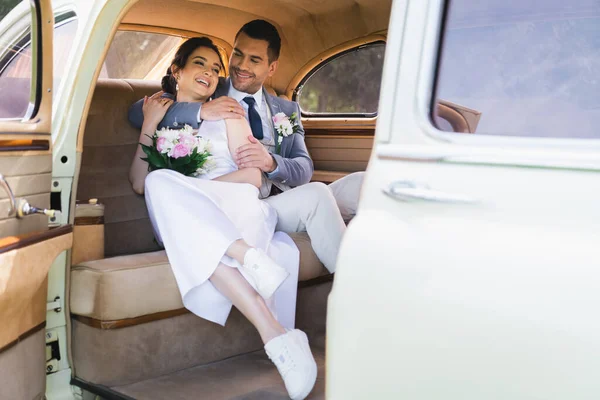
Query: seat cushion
{"x": 135, "y": 285}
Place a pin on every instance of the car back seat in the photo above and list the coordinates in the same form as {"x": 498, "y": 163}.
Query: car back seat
{"x": 128, "y": 321}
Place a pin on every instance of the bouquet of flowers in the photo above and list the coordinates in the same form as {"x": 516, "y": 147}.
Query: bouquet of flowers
{"x": 180, "y": 150}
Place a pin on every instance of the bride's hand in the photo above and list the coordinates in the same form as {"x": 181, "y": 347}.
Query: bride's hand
{"x": 155, "y": 108}
{"x": 222, "y": 108}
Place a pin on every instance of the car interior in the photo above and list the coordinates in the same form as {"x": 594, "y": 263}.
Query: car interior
{"x": 130, "y": 336}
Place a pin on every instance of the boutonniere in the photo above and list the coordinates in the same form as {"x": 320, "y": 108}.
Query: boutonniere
{"x": 284, "y": 126}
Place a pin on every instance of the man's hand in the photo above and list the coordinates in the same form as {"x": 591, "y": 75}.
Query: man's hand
{"x": 254, "y": 154}
{"x": 155, "y": 107}
{"x": 222, "y": 108}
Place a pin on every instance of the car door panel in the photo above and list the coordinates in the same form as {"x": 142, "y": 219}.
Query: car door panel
{"x": 499, "y": 292}
{"x": 27, "y": 247}
{"x": 482, "y": 283}
{"x": 340, "y": 152}
{"x": 337, "y": 152}
{"x": 26, "y": 358}
{"x": 25, "y": 261}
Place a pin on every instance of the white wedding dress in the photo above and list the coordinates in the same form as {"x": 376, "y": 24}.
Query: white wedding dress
{"x": 197, "y": 219}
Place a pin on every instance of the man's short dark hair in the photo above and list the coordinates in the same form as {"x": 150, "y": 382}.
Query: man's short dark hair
{"x": 263, "y": 30}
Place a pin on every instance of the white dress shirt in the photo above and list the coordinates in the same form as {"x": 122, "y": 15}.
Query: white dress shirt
{"x": 261, "y": 107}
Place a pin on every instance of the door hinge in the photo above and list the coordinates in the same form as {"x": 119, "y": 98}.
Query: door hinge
{"x": 54, "y": 305}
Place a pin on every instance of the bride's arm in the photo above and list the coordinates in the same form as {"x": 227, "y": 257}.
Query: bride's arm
{"x": 154, "y": 110}
{"x": 238, "y": 131}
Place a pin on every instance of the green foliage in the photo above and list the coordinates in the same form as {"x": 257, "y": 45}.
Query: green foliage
{"x": 347, "y": 84}
{"x": 6, "y": 6}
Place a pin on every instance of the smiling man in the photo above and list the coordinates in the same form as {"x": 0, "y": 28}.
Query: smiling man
{"x": 288, "y": 168}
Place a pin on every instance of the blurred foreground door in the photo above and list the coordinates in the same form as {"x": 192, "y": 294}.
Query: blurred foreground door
{"x": 471, "y": 270}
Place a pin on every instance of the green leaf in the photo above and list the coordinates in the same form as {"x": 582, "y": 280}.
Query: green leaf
{"x": 156, "y": 160}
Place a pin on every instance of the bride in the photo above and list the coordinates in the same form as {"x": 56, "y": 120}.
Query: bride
{"x": 219, "y": 237}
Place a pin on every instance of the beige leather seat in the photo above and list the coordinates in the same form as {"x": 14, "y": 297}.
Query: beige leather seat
{"x": 137, "y": 285}
{"x": 125, "y": 305}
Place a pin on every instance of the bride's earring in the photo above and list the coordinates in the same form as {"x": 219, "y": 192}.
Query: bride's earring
{"x": 177, "y": 83}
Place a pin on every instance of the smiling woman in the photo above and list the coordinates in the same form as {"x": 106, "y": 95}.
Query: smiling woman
{"x": 194, "y": 72}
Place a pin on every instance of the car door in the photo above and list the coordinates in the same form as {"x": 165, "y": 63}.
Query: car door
{"x": 471, "y": 270}
{"x": 27, "y": 246}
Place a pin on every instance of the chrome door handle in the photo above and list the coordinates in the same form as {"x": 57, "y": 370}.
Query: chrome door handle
{"x": 410, "y": 191}
{"x": 22, "y": 206}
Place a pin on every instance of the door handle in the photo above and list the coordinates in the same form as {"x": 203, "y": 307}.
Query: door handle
{"x": 22, "y": 206}
{"x": 410, "y": 191}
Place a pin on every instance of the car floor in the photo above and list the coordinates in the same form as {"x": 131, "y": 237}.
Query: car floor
{"x": 249, "y": 376}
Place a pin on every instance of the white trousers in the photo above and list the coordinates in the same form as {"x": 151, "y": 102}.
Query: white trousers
{"x": 319, "y": 210}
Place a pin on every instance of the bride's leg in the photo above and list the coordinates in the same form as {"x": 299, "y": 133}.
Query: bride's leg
{"x": 264, "y": 273}
{"x": 289, "y": 350}
{"x": 231, "y": 283}
{"x": 238, "y": 250}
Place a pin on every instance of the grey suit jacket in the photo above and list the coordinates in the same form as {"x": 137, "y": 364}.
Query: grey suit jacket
{"x": 294, "y": 165}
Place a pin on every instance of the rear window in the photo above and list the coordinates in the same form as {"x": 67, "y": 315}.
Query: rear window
{"x": 139, "y": 55}
{"x": 347, "y": 84}
{"x": 143, "y": 55}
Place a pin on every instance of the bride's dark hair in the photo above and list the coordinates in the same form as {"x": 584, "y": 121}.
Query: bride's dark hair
{"x": 168, "y": 82}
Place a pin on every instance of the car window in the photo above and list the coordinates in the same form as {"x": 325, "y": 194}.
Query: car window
{"x": 15, "y": 68}
{"x": 520, "y": 68}
{"x": 139, "y": 55}
{"x": 143, "y": 55}
{"x": 6, "y": 6}
{"x": 347, "y": 84}
{"x": 14, "y": 90}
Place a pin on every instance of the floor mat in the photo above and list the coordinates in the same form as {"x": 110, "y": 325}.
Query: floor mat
{"x": 246, "y": 377}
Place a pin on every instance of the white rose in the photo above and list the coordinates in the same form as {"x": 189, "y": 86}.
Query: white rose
{"x": 188, "y": 130}
{"x": 201, "y": 145}
{"x": 286, "y": 128}
{"x": 169, "y": 134}
{"x": 209, "y": 164}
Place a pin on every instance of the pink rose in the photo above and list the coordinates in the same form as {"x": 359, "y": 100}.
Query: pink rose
{"x": 161, "y": 144}
{"x": 180, "y": 150}
{"x": 187, "y": 140}
{"x": 279, "y": 117}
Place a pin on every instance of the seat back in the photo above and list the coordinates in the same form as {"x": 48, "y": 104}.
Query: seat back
{"x": 109, "y": 144}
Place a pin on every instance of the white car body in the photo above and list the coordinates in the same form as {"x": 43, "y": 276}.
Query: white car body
{"x": 482, "y": 275}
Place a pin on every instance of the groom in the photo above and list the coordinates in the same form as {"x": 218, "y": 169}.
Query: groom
{"x": 300, "y": 205}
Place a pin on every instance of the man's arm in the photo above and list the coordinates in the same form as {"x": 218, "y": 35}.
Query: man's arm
{"x": 182, "y": 113}
{"x": 298, "y": 168}
{"x": 294, "y": 170}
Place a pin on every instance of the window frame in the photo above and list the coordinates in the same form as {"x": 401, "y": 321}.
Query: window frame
{"x": 323, "y": 59}
{"x": 60, "y": 19}
{"x": 426, "y": 98}
{"x": 38, "y": 117}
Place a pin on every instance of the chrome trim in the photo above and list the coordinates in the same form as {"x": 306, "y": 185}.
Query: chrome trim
{"x": 8, "y": 190}
{"x": 410, "y": 191}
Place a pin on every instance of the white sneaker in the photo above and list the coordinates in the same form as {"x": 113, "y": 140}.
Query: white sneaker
{"x": 291, "y": 355}
{"x": 266, "y": 274}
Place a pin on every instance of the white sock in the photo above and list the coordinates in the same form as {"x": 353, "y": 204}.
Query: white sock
{"x": 251, "y": 256}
